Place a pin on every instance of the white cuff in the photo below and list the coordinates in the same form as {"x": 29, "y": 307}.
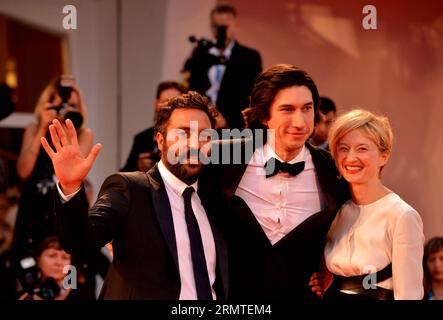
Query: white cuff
{"x": 66, "y": 198}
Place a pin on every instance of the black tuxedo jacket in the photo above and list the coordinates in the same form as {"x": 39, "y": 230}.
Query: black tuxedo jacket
{"x": 133, "y": 211}
{"x": 242, "y": 69}
{"x": 259, "y": 270}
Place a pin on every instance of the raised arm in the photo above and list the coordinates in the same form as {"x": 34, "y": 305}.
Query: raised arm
{"x": 31, "y": 144}
{"x": 70, "y": 165}
{"x": 79, "y": 228}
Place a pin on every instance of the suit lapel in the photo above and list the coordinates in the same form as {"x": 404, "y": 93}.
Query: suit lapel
{"x": 230, "y": 179}
{"x": 233, "y": 173}
{"x": 326, "y": 175}
{"x": 220, "y": 246}
{"x": 229, "y": 66}
{"x": 162, "y": 209}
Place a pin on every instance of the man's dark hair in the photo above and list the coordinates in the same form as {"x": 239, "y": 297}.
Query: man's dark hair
{"x": 223, "y": 8}
{"x": 327, "y": 105}
{"x": 190, "y": 100}
{"x": 165, "y": 85}
{"x": 268, "y": 85}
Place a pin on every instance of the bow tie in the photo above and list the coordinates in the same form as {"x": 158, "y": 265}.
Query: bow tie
{"x": 273, "y": 166}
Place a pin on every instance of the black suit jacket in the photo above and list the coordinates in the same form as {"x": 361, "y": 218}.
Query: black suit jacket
{"x": 242, "y": 69}
{"x": 259, "y": 270}
{"x": 133, "y": 211}
{"x": 143, "y": 142}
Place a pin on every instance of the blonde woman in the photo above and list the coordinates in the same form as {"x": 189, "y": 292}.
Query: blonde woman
{"x": 60, "y": 99}
{"x": 374, "y": 248}
{"x": 46, "y": 110}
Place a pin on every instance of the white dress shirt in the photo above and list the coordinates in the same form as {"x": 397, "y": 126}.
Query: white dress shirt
{"x": 217, "y": 71}
{"x": 174, "y": 189}
{"x": 366, "y": 238}
{"x": 280, "y": 203}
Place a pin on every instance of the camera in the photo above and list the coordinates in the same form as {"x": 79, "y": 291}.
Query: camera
{"x": 221, "y": 37}
{"x": 205, "y": 44}
{"x": 66, "y": 110}
{"x": 32, "y": 284}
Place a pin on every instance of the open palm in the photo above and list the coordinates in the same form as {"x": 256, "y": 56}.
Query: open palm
{"x": 70, "y": 166}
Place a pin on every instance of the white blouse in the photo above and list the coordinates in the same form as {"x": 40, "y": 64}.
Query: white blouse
{"x": 367, "y": 237}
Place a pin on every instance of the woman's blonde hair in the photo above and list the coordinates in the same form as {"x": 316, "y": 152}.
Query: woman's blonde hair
{"x": 376, "y": 128}
{"x": 51, "y": 92}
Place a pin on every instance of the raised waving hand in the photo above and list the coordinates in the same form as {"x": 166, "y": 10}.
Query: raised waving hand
{"x": 70, "y": 166}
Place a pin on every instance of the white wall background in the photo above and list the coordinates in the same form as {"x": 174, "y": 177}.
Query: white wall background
{"x": 184, "y": 18}
{"x": 153, "y": 46}
{"x": 92, "y": 61}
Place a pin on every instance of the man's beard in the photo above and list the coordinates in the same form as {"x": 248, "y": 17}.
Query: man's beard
{"x": 184, "y": 172}
{"x": 185, "y": 169}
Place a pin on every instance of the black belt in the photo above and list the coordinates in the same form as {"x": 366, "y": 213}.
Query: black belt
{"x": 354, "y": 284}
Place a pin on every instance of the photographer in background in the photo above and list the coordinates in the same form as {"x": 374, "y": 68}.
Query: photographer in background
{"x": 224, "y": 70}
{"x": 44, "y": 281}
{"x": 327, "y": 116}
{"x": 61, "y": 99}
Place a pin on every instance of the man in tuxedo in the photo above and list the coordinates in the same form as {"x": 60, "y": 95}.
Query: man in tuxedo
{"x": 224, "y": 70}
{"x": 166, "y": 244}
{"x": 283, "y": 198}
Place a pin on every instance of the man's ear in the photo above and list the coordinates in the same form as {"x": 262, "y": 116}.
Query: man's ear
{"x": 160, "y": 139}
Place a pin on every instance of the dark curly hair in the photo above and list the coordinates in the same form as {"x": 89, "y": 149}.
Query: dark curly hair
{"x": 190, "y": 100}
{"x": 165, "y": 85}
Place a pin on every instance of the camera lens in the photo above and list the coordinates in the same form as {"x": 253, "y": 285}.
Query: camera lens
{"x": 49, "y": 289}
{"x": 75, "y": 117}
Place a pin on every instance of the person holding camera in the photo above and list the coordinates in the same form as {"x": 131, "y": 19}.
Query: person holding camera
{"x": 42, "y": 278}
{"x": 63, "y": 100}
{"x": 224, "y": 70}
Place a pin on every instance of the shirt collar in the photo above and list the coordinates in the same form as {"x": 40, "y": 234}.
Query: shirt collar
{"x": 269, "y": 153}
{"x": 172, "y": 181}
{"x": 226, "y": 53}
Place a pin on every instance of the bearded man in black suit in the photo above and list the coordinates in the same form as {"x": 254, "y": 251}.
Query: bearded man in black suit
{"x": 161, "y": 223}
